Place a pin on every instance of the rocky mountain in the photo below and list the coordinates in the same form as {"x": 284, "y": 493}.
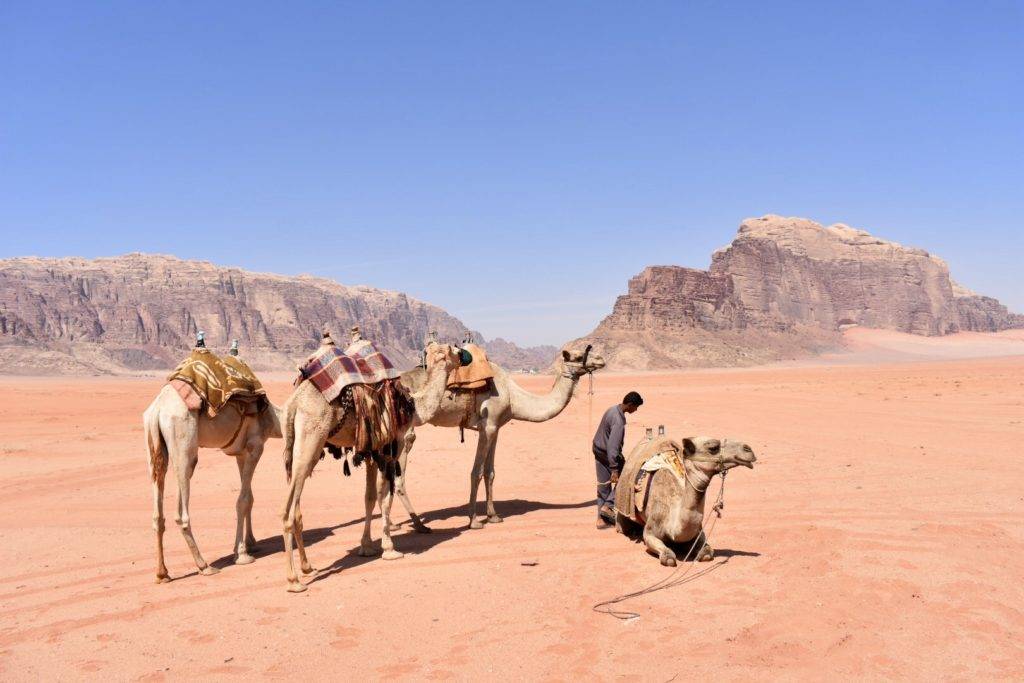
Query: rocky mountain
{"x": 784, "y": 288}
{"x": 141, "y": 312}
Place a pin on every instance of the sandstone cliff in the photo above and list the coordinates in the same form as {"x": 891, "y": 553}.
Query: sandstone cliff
{"x": 141, "y": 312}
{"x": 783, "y": 289}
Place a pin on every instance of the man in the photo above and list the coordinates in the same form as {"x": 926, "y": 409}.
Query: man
{"x": 608, "y": 455}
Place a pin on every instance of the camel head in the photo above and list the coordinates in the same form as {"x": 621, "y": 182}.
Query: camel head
{"x": 714, "y": 455}
{"x": 578, "y": 362}
{"x": 445, "y": 354}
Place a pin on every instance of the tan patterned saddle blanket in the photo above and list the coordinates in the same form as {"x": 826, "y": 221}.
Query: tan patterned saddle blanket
{"x": 474, "y": 376}
{"x": 206, "y": 378}
{"x": 634, "y": 487}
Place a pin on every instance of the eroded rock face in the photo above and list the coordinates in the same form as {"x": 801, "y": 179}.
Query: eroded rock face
{"x": 783, "y": 289}
{"x": 141, "y": 312}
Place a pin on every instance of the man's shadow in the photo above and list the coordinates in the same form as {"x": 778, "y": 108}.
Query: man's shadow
{"x": 408, "y": 540}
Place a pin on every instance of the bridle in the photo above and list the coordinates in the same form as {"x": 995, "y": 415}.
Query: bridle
{"x": 569, "y": 374}
{"x": 719, "y": 461}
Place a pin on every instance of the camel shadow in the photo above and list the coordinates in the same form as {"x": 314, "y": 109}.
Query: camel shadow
{"x": 728, "y": 552}
{"x": 406, "y": 539}
{"x": 409, "y": 542}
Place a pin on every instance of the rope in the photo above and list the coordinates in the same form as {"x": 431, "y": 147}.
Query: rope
{"x": 672, "y": 580}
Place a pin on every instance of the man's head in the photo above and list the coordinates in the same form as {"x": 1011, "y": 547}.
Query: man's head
{"x": 631, "y": 402}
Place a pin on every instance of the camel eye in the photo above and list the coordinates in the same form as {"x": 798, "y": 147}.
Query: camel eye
{"x": 714, "y": 448}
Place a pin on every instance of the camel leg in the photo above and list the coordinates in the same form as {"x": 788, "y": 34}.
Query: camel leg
{"x": 366, "y": 548}
{"x": 403, "y": 463}
{"x": 158, "y": 525}
{"x": 656, "y": 546}
{"x": 243, "y": 507}
{"x": 300, "y": 542}
{"x": 482, "y": 448}
{"x": 250, "y": 538}
{"x": 306, "y": 450}
{"x": 492, "y": 515}
{"x": 294, "y": 494}
{"x": 184, "y": 470}
{"x": 385, "y": 497}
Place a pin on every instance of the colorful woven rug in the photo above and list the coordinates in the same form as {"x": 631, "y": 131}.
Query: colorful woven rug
{"x": 331, "y": 370}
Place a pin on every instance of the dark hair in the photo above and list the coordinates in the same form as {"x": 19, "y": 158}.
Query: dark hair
{"x": 633, "y": 398}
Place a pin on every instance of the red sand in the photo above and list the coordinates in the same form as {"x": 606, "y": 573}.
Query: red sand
{"x": 880, "y": 536}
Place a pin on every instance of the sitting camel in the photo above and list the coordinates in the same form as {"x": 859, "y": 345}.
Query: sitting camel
{"x": 174, "y": 434}
{"x": 487, "y": 411}
{"x": 664, "y": 505}
{"x": 310, "y": 422}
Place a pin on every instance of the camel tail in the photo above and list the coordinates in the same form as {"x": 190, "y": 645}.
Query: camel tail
{"x": 288, "y": 434}
{"x": 155, "y": 444}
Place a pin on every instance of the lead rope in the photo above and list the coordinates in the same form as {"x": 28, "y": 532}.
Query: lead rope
{"x": 672, "y": 580}
{"x": 590, "y": 403}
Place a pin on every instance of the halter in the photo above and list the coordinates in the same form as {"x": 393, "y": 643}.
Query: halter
{"x": 719, "y": 460}
{"x": 569, "y": 374}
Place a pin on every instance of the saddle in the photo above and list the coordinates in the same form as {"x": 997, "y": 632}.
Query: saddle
{"x": 473, "y": 377}
{"x": 206, "y": 378}
{"x": 362, "y": 380}
{"x": 332, "y": 370}
{"x": 634, "y": 487}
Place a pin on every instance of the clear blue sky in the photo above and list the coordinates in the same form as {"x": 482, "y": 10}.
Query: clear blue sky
{"x": 514, "y": 163}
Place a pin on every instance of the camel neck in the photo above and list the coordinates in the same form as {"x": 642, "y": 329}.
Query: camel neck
{"x": 530, "y": 407}
{"x": 698, "y": 478}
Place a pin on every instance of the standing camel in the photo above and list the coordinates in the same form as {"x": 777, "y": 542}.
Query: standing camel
{"x": 310, "y": 422}
{"x": 174, "y": 435}
{"x": 487, "y": 411}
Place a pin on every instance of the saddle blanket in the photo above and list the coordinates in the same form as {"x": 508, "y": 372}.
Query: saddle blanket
{"x": 331, "y": 370}
{"x": 472, "y": 376}
{"x": 205, "y": 377}
{"x": 643, "y": 461}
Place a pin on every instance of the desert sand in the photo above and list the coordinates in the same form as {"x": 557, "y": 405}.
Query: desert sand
{"x": 880, "y": 535}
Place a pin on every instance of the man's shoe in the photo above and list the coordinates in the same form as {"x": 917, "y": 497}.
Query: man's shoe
{"x": 603, "y": 523}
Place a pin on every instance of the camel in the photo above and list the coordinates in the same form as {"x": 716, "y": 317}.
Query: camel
{"x": 487, "y": 411}
{"x": 174, "y": 434}
{"x": 309, "y": 421}
{"x": 674, "y": 511}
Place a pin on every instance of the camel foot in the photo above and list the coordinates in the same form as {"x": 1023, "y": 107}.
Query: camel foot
{"x": 296, "y": 587}
{"x": 707, "y": 554}
{"x": 368, "y": 551}
{"x": 244, "y": 558}
{"x": 308, "y": 569}
{"x": 668, "y": 559}
{"x": 421, "y": 528}
{"x": 209, "y": 571}
{"x": 476, "y": 523}
{"x": 163, "y": 578}
{"x": 494, "y": 519}
{"x": 392, "y": 555}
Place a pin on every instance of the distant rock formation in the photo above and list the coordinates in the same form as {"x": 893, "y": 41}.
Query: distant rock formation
{"x": 783, "y": 289}
{"x": 141, "y": 312}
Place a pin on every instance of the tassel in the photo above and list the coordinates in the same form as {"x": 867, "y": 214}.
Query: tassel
{"x": 346, "y": 470}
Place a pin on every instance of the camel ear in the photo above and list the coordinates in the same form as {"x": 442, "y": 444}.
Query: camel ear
{"x": 689, "y": 448}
